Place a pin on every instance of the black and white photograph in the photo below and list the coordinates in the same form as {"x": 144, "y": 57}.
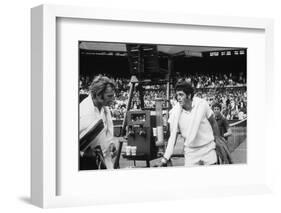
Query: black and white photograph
{"x": 151, "y": 105}
{"x": 115, "y": 106}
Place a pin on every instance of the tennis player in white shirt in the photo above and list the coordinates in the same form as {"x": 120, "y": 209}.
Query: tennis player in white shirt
{"x": 195, "y": 121}
{"x": 95, "y": 107}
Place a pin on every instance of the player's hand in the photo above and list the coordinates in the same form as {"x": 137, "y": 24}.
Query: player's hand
{"x": 112, "y": 150}
{"x": 216, "y": 137}
{"x": 162, "y": 163}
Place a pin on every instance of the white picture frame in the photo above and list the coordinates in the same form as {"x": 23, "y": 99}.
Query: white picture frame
{"x": 44, "y": 155}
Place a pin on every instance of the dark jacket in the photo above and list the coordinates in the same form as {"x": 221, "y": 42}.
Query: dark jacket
{"x": 222, "y": 151}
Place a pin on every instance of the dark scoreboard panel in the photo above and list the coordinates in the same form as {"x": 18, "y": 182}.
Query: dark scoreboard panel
{"x": 140, "y": 134}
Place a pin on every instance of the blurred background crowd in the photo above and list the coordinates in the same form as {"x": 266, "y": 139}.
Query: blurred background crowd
{"x": 227, "y": 89}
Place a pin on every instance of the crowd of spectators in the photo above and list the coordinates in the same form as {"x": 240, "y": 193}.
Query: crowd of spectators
{"x": 227, "y": 90}
{"x": 210, "y": 80}
{"x": 232, "y": 99}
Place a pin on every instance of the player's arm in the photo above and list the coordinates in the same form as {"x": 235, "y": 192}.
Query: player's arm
{"x": 174, "y": 129}
{"x": 214, "y": 125}
{"x": 228, "y": 129}
{"x": 212, "y": 120}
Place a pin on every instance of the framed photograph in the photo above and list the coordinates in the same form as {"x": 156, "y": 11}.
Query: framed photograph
{"x": 131, "y": 106}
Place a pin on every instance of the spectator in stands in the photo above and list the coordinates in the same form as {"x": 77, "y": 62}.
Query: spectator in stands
{"x": 95, "y": 108}
{"x": 223, "y": 124}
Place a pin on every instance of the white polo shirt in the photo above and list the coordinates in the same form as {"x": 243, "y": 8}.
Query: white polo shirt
{"x": 197, "y": 132}
{"x": 204, "y": 133}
